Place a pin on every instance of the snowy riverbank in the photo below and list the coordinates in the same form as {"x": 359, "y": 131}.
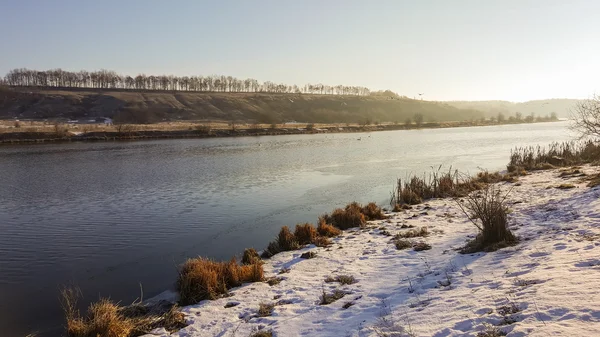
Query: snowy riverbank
{"x": 547, "y": 285}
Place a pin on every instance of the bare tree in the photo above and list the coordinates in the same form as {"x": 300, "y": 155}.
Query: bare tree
{"x": 586, "y": 117}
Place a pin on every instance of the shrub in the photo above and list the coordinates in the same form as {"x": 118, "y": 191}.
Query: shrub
{"x": 373, "y": 212}
{"x": 250, "y": 256}
{"x": 305, "y": 234}
{"x": 488, "y": 212}
{"x": 201, "y": 279}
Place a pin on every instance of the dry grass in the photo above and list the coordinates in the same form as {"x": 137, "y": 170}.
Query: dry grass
{"x": 373, "y": 212}
{"x": 327, "y": 230}
{"x": 262, "y": 333}
{"x": 488, "y": 212}
{"x": 107, "y": 319}
{"x": 321, "y": 241}
{"x": 265, "y": 309}
{"x": 348, "y": 217}
{"x": 557, "y": 155}
{"x": 287, "y": 240}
{"x": 305, "y": 234}
{"x": 565, "y": 186}
{"x": 491, "y": 331}
{"x": 402, "y": 244}
{"x": 331, "y": 297}
{"x": 342, "y": 279}
{"x": 412, "y": 233}
{"x": 250, "y": 256}
{"x": 420, "y": 246}
{"x": 201, "y": 279}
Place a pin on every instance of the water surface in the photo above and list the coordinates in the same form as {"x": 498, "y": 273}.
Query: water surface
{"x": 109, "y": 216}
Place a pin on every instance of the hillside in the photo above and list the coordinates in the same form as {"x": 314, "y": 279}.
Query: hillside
{"x": 152, "y": 106}
{"x": 561, "y": 106}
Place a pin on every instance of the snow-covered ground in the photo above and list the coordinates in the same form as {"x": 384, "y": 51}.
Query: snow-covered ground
{"x": 547, "y": 285}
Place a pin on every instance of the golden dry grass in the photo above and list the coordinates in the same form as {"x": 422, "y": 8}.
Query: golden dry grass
{"x": 201, "y": 278}
{"x": 107, "y": 319}
{"x": 348, "y": 217}
{"x": 373, "y": 212}
{"x": 327, "y": 230}
{"x": 305, "y": 233}
{"x": 250, "y": 256}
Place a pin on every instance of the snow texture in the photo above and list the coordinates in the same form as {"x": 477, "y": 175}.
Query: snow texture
{"x": 547, "y": 285}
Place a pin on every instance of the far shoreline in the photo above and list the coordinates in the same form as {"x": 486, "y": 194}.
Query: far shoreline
{"x": 128, "y": 132}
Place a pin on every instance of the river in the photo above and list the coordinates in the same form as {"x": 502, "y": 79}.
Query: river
{"x": 111, "y": 216}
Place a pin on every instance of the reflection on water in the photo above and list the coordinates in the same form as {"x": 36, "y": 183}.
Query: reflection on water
{"x": 108, "y": 216}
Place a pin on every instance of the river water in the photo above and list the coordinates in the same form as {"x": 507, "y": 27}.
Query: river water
{"x": 109, "y": 216}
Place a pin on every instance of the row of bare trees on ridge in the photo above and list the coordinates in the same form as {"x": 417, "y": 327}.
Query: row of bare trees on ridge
{"x": 108, "y": 79}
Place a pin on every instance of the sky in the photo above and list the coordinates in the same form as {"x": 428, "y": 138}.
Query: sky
{"x": 513, "y": 50}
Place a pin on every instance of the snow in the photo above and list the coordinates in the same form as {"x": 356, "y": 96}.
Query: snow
{"x": 544, "y": 286}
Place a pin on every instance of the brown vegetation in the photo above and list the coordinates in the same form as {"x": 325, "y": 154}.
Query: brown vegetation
{"x": 201, "y": 279}
{"x": 250, "y": 257}
{"x": 488, "y": 207}
{"x": 557, "y": 155}
{"x": 305, "y": 234}
{"x": 107, "y": 319}
{"x": 331, "y": 297}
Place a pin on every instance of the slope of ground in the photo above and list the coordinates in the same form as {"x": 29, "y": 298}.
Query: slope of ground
{"x": 562, "y": 107}
{"x": 544, "y": 286}
{"x": 152, "y": 106}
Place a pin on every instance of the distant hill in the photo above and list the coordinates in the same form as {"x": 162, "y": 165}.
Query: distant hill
{"x": 152, "y": 106}
{"x": 561, "y": 106}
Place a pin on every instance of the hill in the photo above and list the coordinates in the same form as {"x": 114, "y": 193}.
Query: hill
{"x": 560, "y": 106}
{"x": 147, "y": 106}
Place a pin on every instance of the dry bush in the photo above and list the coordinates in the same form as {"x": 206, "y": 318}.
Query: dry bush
{"x": 326, "y": 230}
{"x": 332, "y": 297}
{"x": 201, "y": 279}
{"x": 373, "y": 212}
{"x": 287, "y": 241}
{"x": 305, "y": 233}
{"x": 488, "y": 212}
{"x": 265, "y": 309}
{"x": 413, "y": 233}
{"x": 107, "y": 319}
{"x": 348, "y": 217}
{"x": 250, "y": 256}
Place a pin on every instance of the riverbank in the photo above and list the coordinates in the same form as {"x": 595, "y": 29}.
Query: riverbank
{"x": 47, "y": 133}
{"x": 545, "y": 285}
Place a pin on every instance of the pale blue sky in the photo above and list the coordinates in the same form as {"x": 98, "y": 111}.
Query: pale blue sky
{"x": 448, "y": 49}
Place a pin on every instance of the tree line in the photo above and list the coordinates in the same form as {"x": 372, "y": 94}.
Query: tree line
{"x": 108, "y": 79}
